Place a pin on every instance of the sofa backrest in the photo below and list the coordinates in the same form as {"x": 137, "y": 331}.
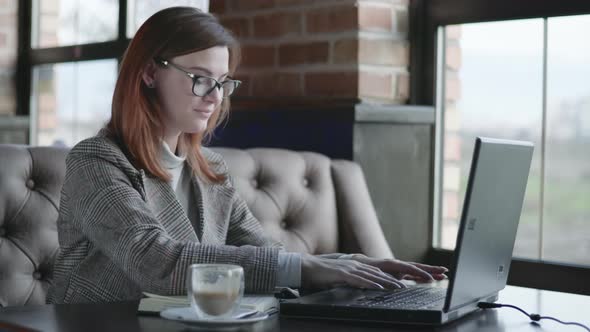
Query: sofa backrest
{"x": 307, "y": 201}
{"x": 291, "y": 193}
{"x": 30, "y": 185}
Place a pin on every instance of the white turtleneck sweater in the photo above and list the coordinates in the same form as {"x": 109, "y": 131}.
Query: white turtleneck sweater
{"x": 289, "y": 269}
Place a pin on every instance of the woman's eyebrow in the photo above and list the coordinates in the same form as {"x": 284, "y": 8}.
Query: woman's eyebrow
{"x": 206, "y": 71}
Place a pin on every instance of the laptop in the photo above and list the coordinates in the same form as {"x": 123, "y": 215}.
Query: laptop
{"x": 485, "y": 241}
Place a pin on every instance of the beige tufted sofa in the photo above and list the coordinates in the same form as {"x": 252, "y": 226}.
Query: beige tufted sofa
{"x": 307, "y": 201}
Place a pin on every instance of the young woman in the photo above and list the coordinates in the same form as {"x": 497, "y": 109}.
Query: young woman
{"x": 144, "y": 199}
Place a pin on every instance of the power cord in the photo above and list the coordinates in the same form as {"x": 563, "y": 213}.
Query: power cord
{"x": 533, "y": 317}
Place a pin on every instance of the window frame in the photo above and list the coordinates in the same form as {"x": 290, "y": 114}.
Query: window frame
{"x": 29, "y": 57}
{"x": 426, "y": 16}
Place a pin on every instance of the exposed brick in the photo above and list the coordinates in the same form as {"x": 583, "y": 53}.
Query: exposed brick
{"x": 402, "y": 89}
{"x": 451, "y": 177}
{"x": 451, "y": 205}
{"x": 332, "y": 19}
{"x": 7, "y": 105}
{"x": 49, "y": 24}
{"x": 290, "y": 3}
{"x": 453, "y": 57}
{"x": 277, "y": 84}
{"x": 402, "y": 21}
{"x": 452, "y": 89}
{"x": 217, "y": 7}
{"x": 373, "y": 17}
{"x": 8, "y": 21}
{"x": 295, "y": 54}
{"x": 8, "y": 5}
{"x": 453, "y": 31}
{"x": 377, "y": 85}
{"x": 343, "y": 84}
{"x": 242, "y": 5}
{"x": 277, "y": 25}
{"x": 263, "y": 85}
{"x": 289, "y": 84}
{"x": 345, "y": 51}
{"x": 47, "y": 102}
{"x": 239, "y": 26}
{"x": 383, "y": 52}
{"x": 49, "y": 7}
{"x": 245, "y": 87}
{"x": 7, "y": 61}
{"x": 258, "y": 56}
{"x": 452, "y": 148}
{"x": 452, "y": 118}
{"x": 47, "y": 120}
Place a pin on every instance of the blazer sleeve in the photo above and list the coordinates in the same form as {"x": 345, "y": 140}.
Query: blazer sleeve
{"x": 112, "y": 214}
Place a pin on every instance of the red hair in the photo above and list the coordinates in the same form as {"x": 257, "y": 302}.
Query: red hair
{"x": 136, "y": 120}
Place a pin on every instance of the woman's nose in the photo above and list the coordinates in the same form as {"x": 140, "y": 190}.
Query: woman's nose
{"x": 215, "y": 96}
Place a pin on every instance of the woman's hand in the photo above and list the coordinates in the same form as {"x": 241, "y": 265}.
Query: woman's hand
{"x": 404, "y": 270}
{"x": 317, "y": 272}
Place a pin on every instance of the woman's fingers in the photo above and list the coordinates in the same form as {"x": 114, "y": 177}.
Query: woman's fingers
{"x": 371, "y": 273}
{"x": 431, "y": 269}
{"x": 359, "y": 281}
{"x": 388, "y": 278}
{"x": 381, "y": 278}
{"x": 441, "y": 276}
{"x": 412, "y": 270}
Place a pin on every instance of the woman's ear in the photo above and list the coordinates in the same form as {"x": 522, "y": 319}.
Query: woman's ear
{"x": 149, "y": 74}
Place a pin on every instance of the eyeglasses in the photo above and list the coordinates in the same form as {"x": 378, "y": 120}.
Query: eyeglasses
{"x": 204, "y": 85}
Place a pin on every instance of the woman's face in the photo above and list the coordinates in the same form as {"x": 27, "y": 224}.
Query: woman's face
{"x": 184, "y": 112}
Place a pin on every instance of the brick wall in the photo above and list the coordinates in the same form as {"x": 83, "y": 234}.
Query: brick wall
{"x": 329, "y": 48}
{"x": 452, "y": 148}
{"x": 8, "y": 50}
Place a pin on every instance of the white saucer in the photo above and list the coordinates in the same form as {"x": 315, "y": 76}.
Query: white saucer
{"x": 188, "y": 316}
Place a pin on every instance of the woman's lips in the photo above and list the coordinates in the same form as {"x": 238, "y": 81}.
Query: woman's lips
{"x": 204, "y": 113}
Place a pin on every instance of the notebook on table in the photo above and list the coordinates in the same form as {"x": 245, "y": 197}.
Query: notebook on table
{"x": 153, "y": 304}
{"x": 485, "y": 241}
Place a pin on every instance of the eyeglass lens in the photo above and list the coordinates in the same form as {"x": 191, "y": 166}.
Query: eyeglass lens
{"x": 204, "y": 85}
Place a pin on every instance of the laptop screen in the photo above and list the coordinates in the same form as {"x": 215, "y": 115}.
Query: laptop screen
{"x": 491, "y": 211}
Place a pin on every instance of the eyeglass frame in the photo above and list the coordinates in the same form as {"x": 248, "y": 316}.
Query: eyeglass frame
{"x": 195, "y": 77}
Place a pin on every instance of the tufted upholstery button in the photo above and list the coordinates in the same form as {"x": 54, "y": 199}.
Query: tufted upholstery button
{"x": 37, "y": 275}
{"x": 30, "y": 184}
{"x": 2, "y": 231}
{"x": 305, "y": 182}
{"x": 283, "y": 224}
{"x": 254, "y": 183}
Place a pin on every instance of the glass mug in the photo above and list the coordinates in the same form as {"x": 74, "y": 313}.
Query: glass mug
{"x": 215, "y": 290}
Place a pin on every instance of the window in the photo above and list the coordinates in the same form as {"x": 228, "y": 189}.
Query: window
{"x": 66, "y": 22}
{"x": 528, "y": 65}
{"x": 140, "y": 10}
{"x": 494, "y": 86}
{"x": 71, "y": 101}
{"x": 8, "y": 54}
{"x": 68, "y": 62}
{"x": 566, "y": 207}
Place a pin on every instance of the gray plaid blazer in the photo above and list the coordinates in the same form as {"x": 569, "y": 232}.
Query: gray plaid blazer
{"x": 122, "y": 232}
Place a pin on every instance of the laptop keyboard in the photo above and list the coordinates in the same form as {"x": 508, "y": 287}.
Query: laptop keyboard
{"x": 406, "y": 298}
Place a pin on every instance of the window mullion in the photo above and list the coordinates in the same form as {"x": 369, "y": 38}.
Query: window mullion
{"x": 543, "y": 143}
{"x": 437, "y": 221}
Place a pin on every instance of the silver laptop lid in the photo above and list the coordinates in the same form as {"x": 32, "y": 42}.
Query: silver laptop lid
{"x": 489, "y": 220}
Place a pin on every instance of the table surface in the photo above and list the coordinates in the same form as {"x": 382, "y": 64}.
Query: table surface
{"x": 122, "y": 317}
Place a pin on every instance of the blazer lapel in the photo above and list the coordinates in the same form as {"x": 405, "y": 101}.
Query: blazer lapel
{"x": 168, "y": 210}
{"x": 213, "y": 220}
